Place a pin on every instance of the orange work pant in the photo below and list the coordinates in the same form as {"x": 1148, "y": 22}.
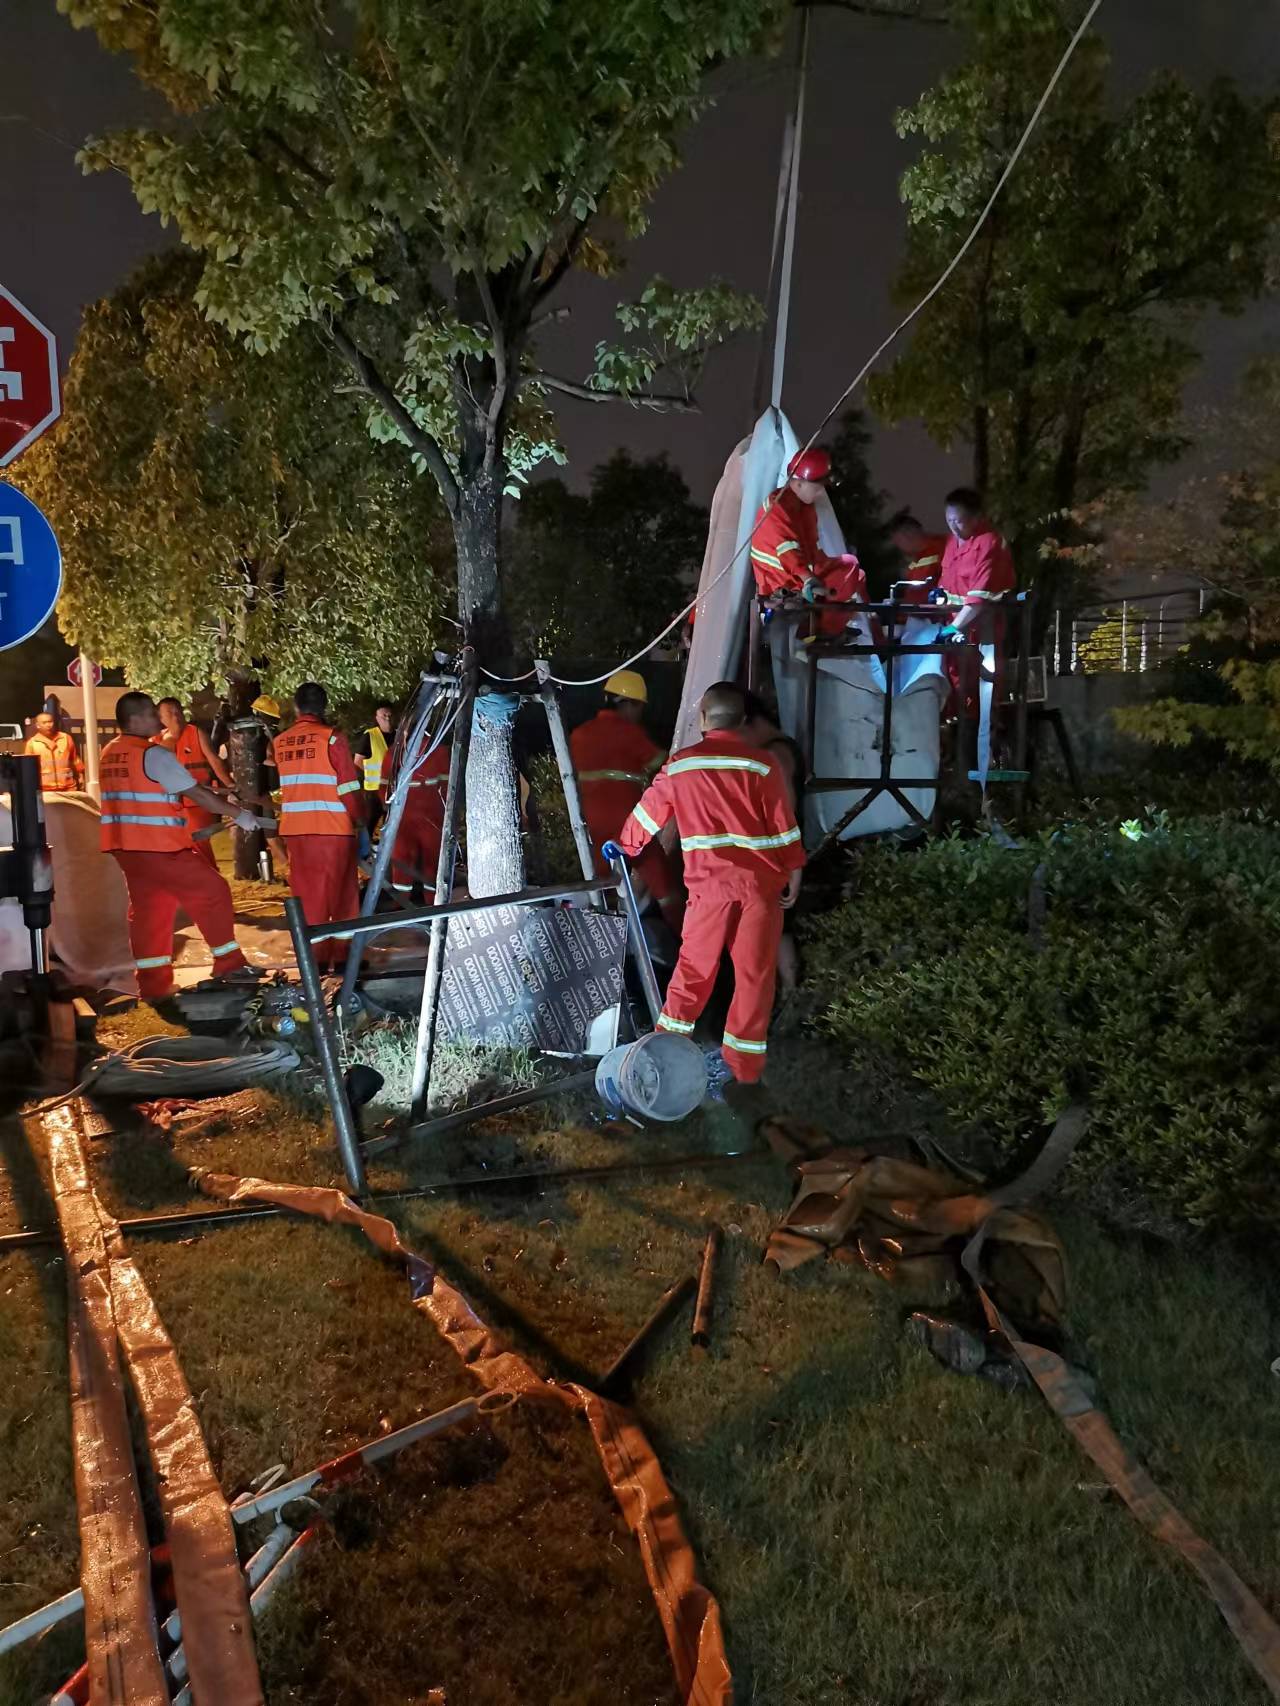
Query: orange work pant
{"x": 160, "y": 883}
{"x": 746, "y": 919}
{"x": 416, "y": 854}
{"x": 198, "y": 818}
{"x": 322, "y": 873}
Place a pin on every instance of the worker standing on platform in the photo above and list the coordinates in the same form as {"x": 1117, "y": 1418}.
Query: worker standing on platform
{"x": 321, "y": 817}
{"x": 977, "y": 574}
{"x": 615, "y": 759}
{"x": 145, "y": 829}
{"x": 922, "y": 553}
{"x": 416, "y": 854}
{"x": 61, "y": 771}
{"x": 192, "y": 748}
{"x": 785, "y": 554}
{"x": 742, "y": 861}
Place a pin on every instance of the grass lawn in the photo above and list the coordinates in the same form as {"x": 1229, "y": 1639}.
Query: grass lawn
{"x": 878, "y": 1532}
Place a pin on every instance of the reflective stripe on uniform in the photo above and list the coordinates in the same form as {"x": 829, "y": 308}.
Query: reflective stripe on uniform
{"x": 303, "y": 778}
{"x": 232, "y": 947}
{"x": 752, "y": 843}
{"x": 348, "y": 787}
{"x": 978, "y": 596}
{"x": 683, "y": 765}
{"x": 153, "y": 962}
{"x": 742, "y": 1046}
{"x": 645, "y": 821}
{"x": 335, "y": 806}
{"x": 131, "y": 817}
{"x": 131, "y": 794}
{"x": 787, "y": 545}
{"x": 758, "y": 556}
{"x": 611, "y": 776}
{"x": 667, "y": 1023}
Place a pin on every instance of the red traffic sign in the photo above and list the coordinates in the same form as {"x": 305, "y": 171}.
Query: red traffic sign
{"x": 29, "y": 397}
{"x": 73, "y": 673}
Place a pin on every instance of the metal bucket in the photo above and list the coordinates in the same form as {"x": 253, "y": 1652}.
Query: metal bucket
{"x": 661, "y": 1077}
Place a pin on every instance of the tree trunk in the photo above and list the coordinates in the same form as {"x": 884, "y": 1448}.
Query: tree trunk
{"x": 246, "y": 753}
{"x": 495, "y": 855}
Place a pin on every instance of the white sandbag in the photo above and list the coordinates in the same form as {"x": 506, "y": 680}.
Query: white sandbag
{"x": 90, "y": 933}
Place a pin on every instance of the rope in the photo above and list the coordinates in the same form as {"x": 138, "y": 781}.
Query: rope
{"x": 865, "y": 369}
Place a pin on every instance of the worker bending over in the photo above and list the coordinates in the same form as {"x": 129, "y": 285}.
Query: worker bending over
{"x": 61, "y": 771}
{"x": 416, "y": 853}
{"x": 977, "y": 574}
{"x": 785, "y": 554}
{"x": 742, "y": 863}
{"x": 145, "y": 829}
{"x": 192, "y": 748}
{"x": 321, "y": 815}
{"x": 923, "y": 554}
{"x": 615, "y": 760}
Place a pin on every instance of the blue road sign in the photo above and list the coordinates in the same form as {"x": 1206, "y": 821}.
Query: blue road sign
{"x": 30, "y": 568}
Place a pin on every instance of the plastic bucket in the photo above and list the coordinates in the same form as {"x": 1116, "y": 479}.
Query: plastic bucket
{"x": 661, "y": 1077}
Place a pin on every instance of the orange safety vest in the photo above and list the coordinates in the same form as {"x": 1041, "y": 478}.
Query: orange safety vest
{"x": 310, "y": 792}
{"x": 187, "y": 749}
{"x": 57, "y": 762}
{"x": 138, "y": 816}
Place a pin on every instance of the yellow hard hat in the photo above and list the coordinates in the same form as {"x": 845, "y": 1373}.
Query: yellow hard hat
{"x": 265, "y": 706}
{"x": 628, "y": 684}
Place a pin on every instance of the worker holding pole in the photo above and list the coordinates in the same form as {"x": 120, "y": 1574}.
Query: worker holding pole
{"x": 145, "y": 829}
{"x": 615, "y": 759}
{"x": 742, "y": 861}
{"x": 191, "y": 746}
{"x": 321, "y": 817}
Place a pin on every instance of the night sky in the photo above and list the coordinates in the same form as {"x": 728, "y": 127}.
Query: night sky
{"x": 66, "y": 240}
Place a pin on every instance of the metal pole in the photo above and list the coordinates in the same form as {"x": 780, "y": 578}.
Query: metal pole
{"x": 386, "y": 846}
{"x": 787, "y": 166}
{"x": 568, "y": 775}
{"x": 1020, "y": 705}
{"x": 326, "y": 1048}
{"x": 1142, "y": 645}
{"x": 1124, "y": 633}
{"x": 1057, "y": 640}
{"x": 1075, "y": 643}
{"x": 425, "y": 1049}
{"x": 639, "y": 947}
{"x": 89, "y": 703}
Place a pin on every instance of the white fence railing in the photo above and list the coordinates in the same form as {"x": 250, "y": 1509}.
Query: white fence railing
{"x": 1131, "y": 634}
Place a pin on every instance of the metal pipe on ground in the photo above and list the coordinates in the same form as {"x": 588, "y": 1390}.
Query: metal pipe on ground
{"x": 701, "y": 1335}
{"x": 516, "y": 1179}
{"x": 326, "y": 1048}
{"x": 621, "y": 1367}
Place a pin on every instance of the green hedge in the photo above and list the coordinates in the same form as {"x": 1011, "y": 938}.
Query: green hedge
{"x": 1137, "y": 965}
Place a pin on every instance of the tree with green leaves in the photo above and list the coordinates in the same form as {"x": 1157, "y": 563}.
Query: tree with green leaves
{"x": 223, "y": 516}
{"x": 588, "y": 572}
{"x": 1060, "y": 350}
{"x": 417, "y": 181}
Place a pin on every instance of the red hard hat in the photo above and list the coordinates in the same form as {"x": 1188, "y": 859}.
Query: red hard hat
{"x": 814, "y": 464}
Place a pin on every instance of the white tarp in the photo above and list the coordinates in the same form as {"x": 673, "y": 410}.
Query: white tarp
{"x": 850, "y": 699}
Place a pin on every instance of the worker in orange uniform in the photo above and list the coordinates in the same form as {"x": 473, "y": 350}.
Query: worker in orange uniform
{"x": 61, "y": 771}
{"x": 191, "y": 747}
{"x": 922, "y": 553}
{"x": 615, "y": 760}
{"x": 322, "y": 817}
{"x": 977, "y": 573}
{"x": 416, "y": 854}
{"x": 145, "y": 829}
{"x": 742, "y": 863}
{"x": 785, "y": 554}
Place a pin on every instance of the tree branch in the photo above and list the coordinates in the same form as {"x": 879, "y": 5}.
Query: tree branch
{"x": 374, "y": 385}
{"x": 663, "y": 403}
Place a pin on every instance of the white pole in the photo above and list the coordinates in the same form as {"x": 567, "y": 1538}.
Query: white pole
{"x": 89, "y": 700}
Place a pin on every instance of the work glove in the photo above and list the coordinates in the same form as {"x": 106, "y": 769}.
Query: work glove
{"x": 814, "y": 591}
{"x": 246, "y": 821}
{"x": 950, "y": 636}
{"x": 364, "y": 844}
{"x": 612, "y": 851}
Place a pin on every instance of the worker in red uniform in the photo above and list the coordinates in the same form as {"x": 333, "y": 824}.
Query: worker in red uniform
{"x": 977, "y": 573}
{"x": 785, "y": 554}
{"x": 145, "y": 829}
{"x": 742, "y": 863}
{"x": 322, "y": 817}
{"x": 922, "y": 554}
{"x": 61, "y": 771}
{"x": 416, "y": 854}
{"x": 615, "y": 760}
{"x": 191, "y": 747}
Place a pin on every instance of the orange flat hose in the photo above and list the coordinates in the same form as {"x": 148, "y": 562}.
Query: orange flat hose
{"x": 207, "y": 1575}
{"x": 689, "y": 1612}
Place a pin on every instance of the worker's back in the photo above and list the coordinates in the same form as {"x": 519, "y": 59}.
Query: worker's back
{"x": 615, "y": 759}
{"x": 730, "y": 803}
